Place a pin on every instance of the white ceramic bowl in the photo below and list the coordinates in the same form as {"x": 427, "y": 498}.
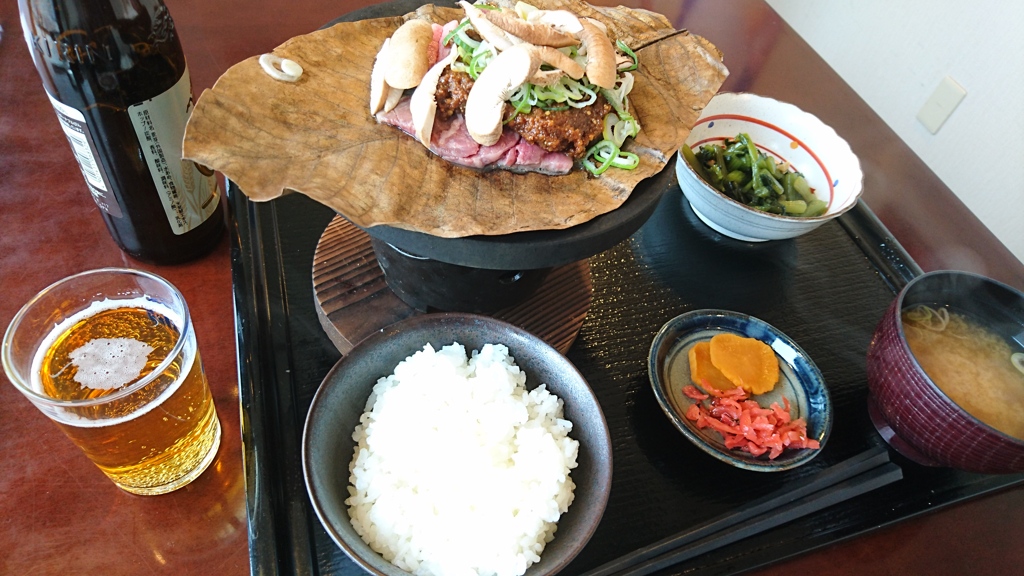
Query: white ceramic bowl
{"x": 789, "y": 134}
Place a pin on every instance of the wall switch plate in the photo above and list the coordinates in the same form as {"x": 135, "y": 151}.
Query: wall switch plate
{"x": 941, "y": 104}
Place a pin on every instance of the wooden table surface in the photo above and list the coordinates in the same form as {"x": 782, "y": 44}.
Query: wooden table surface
{"x": 60, "y": 515}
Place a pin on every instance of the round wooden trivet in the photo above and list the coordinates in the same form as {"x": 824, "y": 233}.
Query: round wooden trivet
{"x": 353, "y": 300}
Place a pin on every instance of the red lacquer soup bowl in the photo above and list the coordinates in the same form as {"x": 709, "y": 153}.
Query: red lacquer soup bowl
{"x": 911, "y": 412}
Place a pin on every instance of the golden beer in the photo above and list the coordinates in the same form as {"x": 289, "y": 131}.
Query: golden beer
{"x": 133, "y": 393}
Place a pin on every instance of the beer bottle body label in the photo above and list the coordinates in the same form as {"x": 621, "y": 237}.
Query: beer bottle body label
{"x": 188, "y": 195}
{"x": 84, "y": 147}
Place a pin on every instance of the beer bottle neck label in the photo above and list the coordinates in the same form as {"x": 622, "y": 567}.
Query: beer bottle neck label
{"x": 84, "y": 148}
{"x": 188, "y": 193}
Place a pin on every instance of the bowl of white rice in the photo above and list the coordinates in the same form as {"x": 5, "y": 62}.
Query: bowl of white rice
{"x": 457, "y": 444}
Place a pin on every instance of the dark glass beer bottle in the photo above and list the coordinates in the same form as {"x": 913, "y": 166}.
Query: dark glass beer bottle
{"x": 115, "y": 73}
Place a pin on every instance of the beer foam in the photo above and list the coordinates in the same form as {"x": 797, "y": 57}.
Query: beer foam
{"x": 93, "y": 309}
{"x": 72, "y": 419}
{"x": 109, "y": 363}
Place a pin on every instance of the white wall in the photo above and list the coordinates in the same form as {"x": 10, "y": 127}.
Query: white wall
{"x": 894, "y": 53}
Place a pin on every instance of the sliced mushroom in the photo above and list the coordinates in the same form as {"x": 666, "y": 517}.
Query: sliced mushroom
{"x": 394, "y": 95}
{"x": 600, "y": 25}
{"x": 486, "y": 102}
{"x": 408, "y": 58}
{"x": 558, "y": 59}
{"x": 546, "y": 77}
{"x": 622, "y": 61}
{"x": 559, "y": 19}
{"x": 600, "y": 54}
{"x": 486, "y": 29}
{"x": 422, "y": 105}
{"x": 378, "y": 86}
{"x": 539, "y": 34}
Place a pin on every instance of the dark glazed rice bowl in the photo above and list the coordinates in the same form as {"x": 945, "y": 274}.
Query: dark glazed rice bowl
{"x": 328, "y": 445}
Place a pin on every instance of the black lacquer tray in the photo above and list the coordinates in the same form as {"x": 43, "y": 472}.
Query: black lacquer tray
{"x": 826, "y": 290}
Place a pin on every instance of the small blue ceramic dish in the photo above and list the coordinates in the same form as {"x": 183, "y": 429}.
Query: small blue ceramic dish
{"x": 800, "y": 382}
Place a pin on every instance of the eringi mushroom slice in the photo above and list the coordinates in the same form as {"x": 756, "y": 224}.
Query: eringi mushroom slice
{"x": 394, "y": 96}
{"x": 378, "y": 86}
{"x": 408, "y": 58}
{"x": 565, "y": 66}
{"x": 545, "y": 77}
{"x": 537, "y": 33}
{"x": 486, "y": 29}
{"x": 383, "y": 98}
{"x": 562, "y": 20}
{"x": 485, "y": 105}
{"x": 601, "y": 68}
{"x": 422, "y": 105}
{"x": 561, "y": 61}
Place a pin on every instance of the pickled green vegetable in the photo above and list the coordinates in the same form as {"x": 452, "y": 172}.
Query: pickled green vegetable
{"x": 739, "y": 170}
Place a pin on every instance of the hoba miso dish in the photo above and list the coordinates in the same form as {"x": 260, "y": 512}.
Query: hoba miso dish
{"x": 522, "y": 89}
{"x": 458, "y": 468}
{"x": 309, "y": 136}
{"x": 975, "y": 367}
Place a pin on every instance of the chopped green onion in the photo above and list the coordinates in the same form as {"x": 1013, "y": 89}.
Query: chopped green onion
{"x": 583, "y": 103}
{"x": 626, "y": 160}
{"x": 520, "y": 101}
{"x": 463, "y": 39}
{"x": 617, "y": 96}
{"x": 636, "y": 61}
{"x": 608, "y": 155}
{"x": 455, "y": 31}
{"x": 545, "y": 93}
{"x": 481, "y": 57}
{"x": 597, "y": 170}
{"x": 609, "y": 124}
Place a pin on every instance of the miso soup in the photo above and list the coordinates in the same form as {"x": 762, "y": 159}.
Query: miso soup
{"x": 975, "y": 367}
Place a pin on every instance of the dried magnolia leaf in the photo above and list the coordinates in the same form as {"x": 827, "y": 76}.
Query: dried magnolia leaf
{"x": 317, "y": 137}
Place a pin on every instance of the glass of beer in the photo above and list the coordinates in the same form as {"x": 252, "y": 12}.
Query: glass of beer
{"x": 110, "y": 355}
